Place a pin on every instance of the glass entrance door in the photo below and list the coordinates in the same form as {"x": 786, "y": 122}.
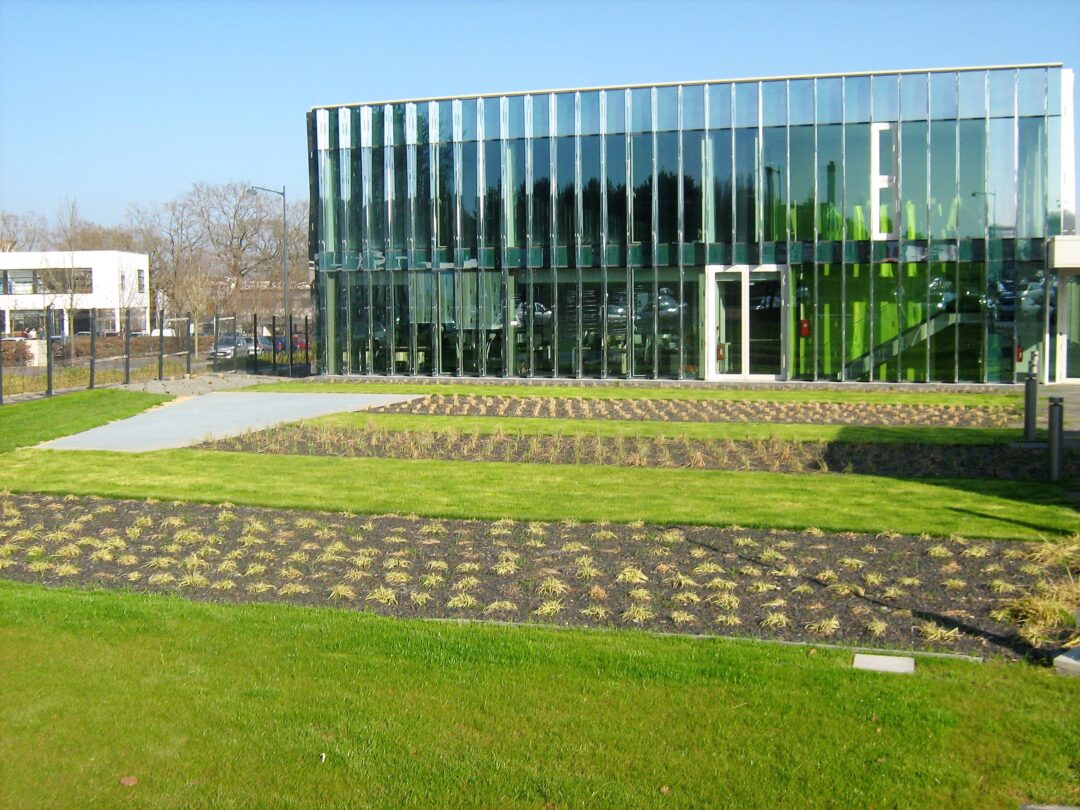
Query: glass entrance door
{"x": 744, "y": 322}
{"x": 1068, "y": 313}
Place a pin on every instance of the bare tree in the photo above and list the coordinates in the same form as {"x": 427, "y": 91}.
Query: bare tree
{"x": 28, "y": 232}
{"x": 238, "y": 235}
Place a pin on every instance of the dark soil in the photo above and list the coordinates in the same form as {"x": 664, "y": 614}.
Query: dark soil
{"x": 896, "y": 592}
{"x": 710, "y": 410}
{"x": 766, "y": 455}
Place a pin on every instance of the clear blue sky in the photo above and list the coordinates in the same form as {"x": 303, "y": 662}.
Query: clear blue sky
{"x": 113, "y": 103}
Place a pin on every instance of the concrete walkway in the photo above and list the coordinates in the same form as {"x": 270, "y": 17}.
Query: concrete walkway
{"x": 187, "y": 421}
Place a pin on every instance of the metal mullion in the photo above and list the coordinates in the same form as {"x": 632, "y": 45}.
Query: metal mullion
{"x": 629, "y": 226}
{"x": 529, "y": 236}
{"x": 654, "y": 226}
{"x": 929, "y": 228}
{"x": 986, "y": 229}
{"x": 458, "y": 252}
{"x": 410, "y": 249}
{"x": 388, "y": 241}
{"x": 679, "y": 234}
{"x": 814, "y": 324}
{"x": 481, "y": 236}
{"x": 553, "y": 229}
{"x": 505, "y": 199}
{"x": 603, "y": 239}
{"x": 844, "y": 233}
{"x": 579, "y": 228}
{"x": 956, "y": 235}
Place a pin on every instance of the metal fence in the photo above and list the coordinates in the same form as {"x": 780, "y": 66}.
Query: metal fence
{"x": 172, "y": 347}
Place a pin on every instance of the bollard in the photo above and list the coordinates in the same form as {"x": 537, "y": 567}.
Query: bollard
{"x": 255, "y": 337}
{"x": 289, "y": 339}
{"x": 93, "y": 345}
{"x": 161, "y": 345}
{"x": 127, "y": 346}
{"x": 213, "y": 352}
{"x": 307, "y": 342}
{"x": 1056, "y": 437}
{"x": 48, "y": 351}
{"x": 273, "y": 343}
{"x": 1031, "y": 405}
{"x": 190, "y": 338}
{"x": 235, "y": 340}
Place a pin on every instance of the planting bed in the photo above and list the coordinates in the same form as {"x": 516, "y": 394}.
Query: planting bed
{"x": 771, "y": 455}
{"x": 886, "y": 591}
{"x": 711, "y": 410}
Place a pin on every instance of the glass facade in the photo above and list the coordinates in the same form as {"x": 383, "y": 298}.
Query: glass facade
{"x": 892, "y": 226}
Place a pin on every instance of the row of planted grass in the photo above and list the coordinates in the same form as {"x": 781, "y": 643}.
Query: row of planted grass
{"x": 275, "y": 705}
{"x": 734, "y": 431}
{"x": 1005, "y": 398}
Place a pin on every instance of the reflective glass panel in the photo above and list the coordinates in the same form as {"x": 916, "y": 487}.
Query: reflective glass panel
{"x": 971, "y": 224}
{"x": 802, "y": 183}
{"x": 913, "y": 96}
{"x": 667, "y": 197}
{"x": 1031, "y": 89}
{"x": 591, "y": 194}
{"x": 590, "y": 113}
{"x": 468, "y": 119}
{"x": 801, "y": 101}
{"x": 913, "y": 179}
{"x": 667, "y": 108}
{"x": 720, "y": 179}
{"x": 615, "y": 111}
{"x": 830, "y": 101}
{"x": 693, "y": 189}
{"x": 693, "y": 107}
{"x": 774, "y": 165}
{"x": 773, "y": 103}
{"x": 942, "y": 95}
{"x": 641, "y": 110}
{"x": 944, "y": 205}
{"x": 746, "y": 141}
{"x": 719, "y": 106}
{"x": 491, "y": 118}
{"x": 641, "y": 166}
{"x": 1001, "y": 184}
{"x": 1002, "y": 92}
{"x": 540, "y": 115}
{"x": 1031, "y": 218}
{"x": 615, "y": 166}
{"x": 765, "y": 350}
{"x": 564, "y": 114}
{"x": 886, "y": 97}
{"x": 746, "y": 104}
{"x": 830, "y": 179}
{"x": 857, "y": 180}
{"x": 856, "y": 99}
{"x": 971, "y": 91}
{"x": 516, "y": 117}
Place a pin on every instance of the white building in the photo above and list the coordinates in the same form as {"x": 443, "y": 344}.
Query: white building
{"x": 74, "y": 284}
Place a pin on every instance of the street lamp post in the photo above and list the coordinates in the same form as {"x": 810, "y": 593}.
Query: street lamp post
{"x": 284, "y": 263}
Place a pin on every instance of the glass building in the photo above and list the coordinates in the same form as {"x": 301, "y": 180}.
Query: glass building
{"x": 865, "y": 226}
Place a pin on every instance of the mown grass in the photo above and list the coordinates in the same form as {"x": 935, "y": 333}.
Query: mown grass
{"x": 991, "y": 509}
{"x": 792, "y": 394}
{"x": 260, "y": 706}
{"x": 23, "y": 424}
{"x": 735, "y": 431}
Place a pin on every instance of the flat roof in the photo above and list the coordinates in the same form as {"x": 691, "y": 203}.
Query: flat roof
{"x": 691, "y": 83}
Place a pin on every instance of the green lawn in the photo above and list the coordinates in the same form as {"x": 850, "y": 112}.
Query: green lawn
{"x": 792, "y": 394}
{"x": 992, "y": 509}
{"x": 736, "y": 431}
{"x": 23, "y": 424}
{"x": 237, "y": 706}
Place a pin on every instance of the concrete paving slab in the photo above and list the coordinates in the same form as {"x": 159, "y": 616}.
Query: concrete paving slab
{"x": 187, "y": 421}
{"x": 899, "y": 664}
{"x": 1068, "y": 663}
